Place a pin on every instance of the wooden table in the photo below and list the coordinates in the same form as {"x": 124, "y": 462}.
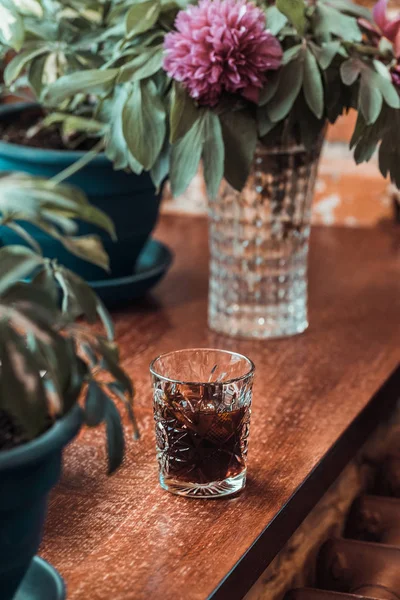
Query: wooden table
{"x": 317, "y": 397}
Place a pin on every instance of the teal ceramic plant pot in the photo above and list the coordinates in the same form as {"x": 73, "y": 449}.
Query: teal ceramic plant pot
{"x": 27, "y": 474}
{"x": 130, "y": 200}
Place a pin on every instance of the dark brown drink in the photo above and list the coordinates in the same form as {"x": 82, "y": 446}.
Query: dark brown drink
{"x": 201, "y": 446}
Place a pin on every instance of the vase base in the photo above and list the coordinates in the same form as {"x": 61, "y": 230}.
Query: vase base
{"x": 259, "y": 323}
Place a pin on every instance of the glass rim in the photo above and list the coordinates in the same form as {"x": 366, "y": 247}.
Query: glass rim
{"x": 248, "y": 360}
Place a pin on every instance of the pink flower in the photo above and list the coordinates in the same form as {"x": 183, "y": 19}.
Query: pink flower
{"x": 389, "y": 28}
{"x": 221, "y": 46}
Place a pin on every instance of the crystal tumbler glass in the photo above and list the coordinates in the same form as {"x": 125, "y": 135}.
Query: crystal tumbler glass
{"x": 202, "y": 403}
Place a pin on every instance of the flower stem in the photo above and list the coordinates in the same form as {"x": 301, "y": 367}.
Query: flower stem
{"x": 79, "y": 164}
{"x": 367, "y": 50}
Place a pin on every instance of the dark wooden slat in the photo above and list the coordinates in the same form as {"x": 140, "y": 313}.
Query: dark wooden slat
{"x": 315, "y": 401}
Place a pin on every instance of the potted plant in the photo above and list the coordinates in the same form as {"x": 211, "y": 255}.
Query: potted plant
{"x": 248, "y": 89}
{"x": 50, "y": 40}
{"x": 48, "y": 361}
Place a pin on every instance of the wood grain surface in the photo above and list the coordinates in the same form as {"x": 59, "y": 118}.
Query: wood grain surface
{"x": 315, "y": 402}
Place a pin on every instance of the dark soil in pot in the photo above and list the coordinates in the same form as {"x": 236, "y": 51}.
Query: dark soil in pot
{"x": 12, "y": 434}
{"x": 24, "y": 129}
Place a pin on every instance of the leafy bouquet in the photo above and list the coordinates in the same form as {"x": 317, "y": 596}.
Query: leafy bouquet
{"x": 164, "y": 84}
{"x": 48, "y": 355}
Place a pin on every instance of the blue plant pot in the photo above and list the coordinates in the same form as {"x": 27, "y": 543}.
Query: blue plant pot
{"x": 130, "y": 201}
{"x": 27, "y": 474}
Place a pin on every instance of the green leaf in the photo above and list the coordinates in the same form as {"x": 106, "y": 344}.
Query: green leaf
{"x": 74, "y": 124}
{"x": 143, "y": 124}
{"x": 239, "y": 131}
{"x": 389, "y": 150}
{"x": 20, "y": 61}
{"x": 382, "y": 69}
{"x": 24, "y": 235}
{"x": 275, "y": 20}
{"x": 76, "y": 375}
{"x": 269, "y": 89}
{"x": 350, "y": 70}
{"x": 264, "y": 123}
{"x": 312, "y": 84}
{"x": 384, "y": 84}
{"x": 311, "y": 128}
{"x": 294, "y": 10}
{"x": 290, "y": 82}
{"x": 325, "y": 53}
{"x": 110, "y": 362}
{"x": 141, "y": 17}
{"x": 183, "y": 112}
{"x": 159, "y": 171}
{"x": 370, "y": 100}
{"x": 45, "y": 280}
{"x": 115, "y": 437}
{"x": 16, "y": 262}
{"x": 105, "y": 318}
{"x": 48, "y": 206}
{"x": 213, "y": 153}
{"x": 385, "y": 46}
{"x": 364, "y": 150}
{"x": 37, "y": 74}
{"x": 185, "y": 157}
{"x": 366, "y": 137}
{"x": 89, "y": 248}
{"x": 11, "y": 28}
{"x": 116, "y": 148}
{"x": 116, "y": 389}
{"x": 328, "y": 21}
{"x": 78, "y": 298}
{"x": 142, "y": 66}
{"x": 91, "y": 81}
{"x": 291, "y": 54}
{"x": 29, "y": 8}
{"x": 352, "y": 9}
{"x": 22, "y": 394}
{"x": 95, "y": 404}
{"x": 359, "y": 130}
{"x": 35, "y": 301}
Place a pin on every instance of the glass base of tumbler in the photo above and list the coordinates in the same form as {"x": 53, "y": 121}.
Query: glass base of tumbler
{"x": 215, "y": 489}
{"x": 259, "y": 321}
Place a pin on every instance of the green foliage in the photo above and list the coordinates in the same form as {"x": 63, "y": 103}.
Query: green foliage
{"x": 48, "y": 356}
{"x": 142, "y": 16}
{"x": 143, "y": 122}
{"x": 312, "y": 84}
{"x": 96, "y": 68}
{"x": 330, "y": 21}
{"x": 239, "y": 131}
{"x": 276, "y": 20}
{"x": 294, "y": 10}
{"x": 290, "y": 82}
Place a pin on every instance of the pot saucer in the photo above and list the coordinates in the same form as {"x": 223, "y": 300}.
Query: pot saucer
{"x": 42, "y": 581}
{"x": 152, "y": 264}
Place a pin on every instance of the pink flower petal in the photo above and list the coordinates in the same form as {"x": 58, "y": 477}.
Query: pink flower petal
{"x": 379, "y": 13}
{"x": 391, "y": 28}
{"x": 221, "y": 46}
{"x": 251, "y": 93}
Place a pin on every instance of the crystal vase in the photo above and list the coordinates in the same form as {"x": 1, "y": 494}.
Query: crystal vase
{"x": 259, "y": 240}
